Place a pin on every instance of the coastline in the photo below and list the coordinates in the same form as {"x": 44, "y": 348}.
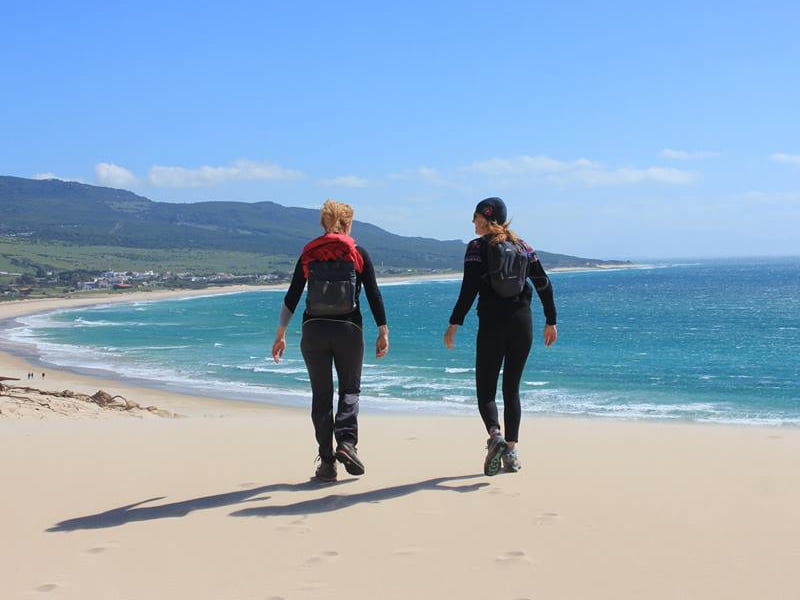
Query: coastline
{"x": 9, "y": 310}
{"x": 17, "y": 359}
{"x": 101, "y": 504}
{"x": 620, "y": 267}
{"x": 272, "y": 392}
{"x": 17, "y": 364}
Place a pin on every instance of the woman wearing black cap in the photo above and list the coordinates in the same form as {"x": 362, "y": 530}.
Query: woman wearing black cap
{"x": 505, "y": 332}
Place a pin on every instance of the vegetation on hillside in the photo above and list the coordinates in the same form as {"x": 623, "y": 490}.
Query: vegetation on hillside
{"x": 58, "y": 236}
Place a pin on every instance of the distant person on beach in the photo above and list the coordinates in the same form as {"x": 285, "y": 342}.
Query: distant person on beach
{"x": 499, "y": 268}
{"x": 335, "y": 269}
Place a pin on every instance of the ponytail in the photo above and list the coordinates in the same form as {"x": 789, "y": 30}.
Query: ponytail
{"x": 501, "y": 233}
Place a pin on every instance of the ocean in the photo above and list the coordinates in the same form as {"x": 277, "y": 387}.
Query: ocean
{"x": 710, "y": 341}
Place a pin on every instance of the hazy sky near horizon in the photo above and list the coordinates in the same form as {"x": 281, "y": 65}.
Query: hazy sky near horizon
{"x": 615, "y": 131}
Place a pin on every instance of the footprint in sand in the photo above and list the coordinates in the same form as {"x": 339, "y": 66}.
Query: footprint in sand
{"x": 499, "y": 492}
{"x": 47, "y": 587}
{"x": 109, "y": 545}
{"x": 514, "y": 558}
{"x": 322, "y": 558}
{"x": 311, "y": 586}
{"x": 408, "y": 551}
{"x": 293, "y": 529}
{"x": 411, "y": 438}
{"x": 548, "y": 518}
{"x": 295, "y": 526}
{"x": 276, "y": 598}
{"x": 247, "y": 484}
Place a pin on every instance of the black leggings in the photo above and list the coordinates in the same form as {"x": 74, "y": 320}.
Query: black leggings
{"x": 502, "y": 343}
{"x": 327, "y": 343}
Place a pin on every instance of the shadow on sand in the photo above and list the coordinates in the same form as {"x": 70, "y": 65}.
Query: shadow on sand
{"x": 341, "y": 501}
{"x": 131, "y": 513}
{"x": 135, "y": 512}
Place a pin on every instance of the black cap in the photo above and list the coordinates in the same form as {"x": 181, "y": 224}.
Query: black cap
{"x": 493, "y": 209}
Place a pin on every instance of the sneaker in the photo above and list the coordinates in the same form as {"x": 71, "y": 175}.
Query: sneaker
{"x": 326, "y": 471}
{"x": 495, "y": 449}
{"x": 347, "y": 455}
{"x": 511, "y": 462}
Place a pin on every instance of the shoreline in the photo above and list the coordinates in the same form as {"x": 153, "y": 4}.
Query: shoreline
{"x": 17, "y": 357}
{"x": 15, "y": 364}
{"x": 159, "y": 294}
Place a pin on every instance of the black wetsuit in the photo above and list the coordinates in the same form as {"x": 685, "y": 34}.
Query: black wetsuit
{"x": 505, "y": 333}
{"x": 335, "y": 341}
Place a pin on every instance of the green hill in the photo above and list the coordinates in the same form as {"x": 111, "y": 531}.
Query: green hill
{"x": 75, "y": 215}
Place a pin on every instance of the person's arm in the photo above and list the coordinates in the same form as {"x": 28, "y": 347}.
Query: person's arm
{"x": 287, "y": 310}
{"x": 470, "y": 284}
{"x": 375, "y": 299}
{"x": 544, "y": 289}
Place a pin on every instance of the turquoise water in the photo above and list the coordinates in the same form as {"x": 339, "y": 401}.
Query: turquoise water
{"x": 713, "y": 341}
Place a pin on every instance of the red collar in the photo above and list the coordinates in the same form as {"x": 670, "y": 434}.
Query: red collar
{"x": 332, "y": 246}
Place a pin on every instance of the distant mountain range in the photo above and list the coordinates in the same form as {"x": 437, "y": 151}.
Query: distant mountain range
{"x": 75, "y": 213}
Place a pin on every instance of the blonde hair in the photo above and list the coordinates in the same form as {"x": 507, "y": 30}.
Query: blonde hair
{"x": 501, "y": 233}
{"x": 335, "y": 217}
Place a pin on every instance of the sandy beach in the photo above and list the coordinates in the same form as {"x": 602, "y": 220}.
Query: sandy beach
{"x": 217, "y": 504}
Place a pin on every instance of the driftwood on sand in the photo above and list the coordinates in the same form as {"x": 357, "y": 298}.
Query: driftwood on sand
{"x": 45, "y": 399}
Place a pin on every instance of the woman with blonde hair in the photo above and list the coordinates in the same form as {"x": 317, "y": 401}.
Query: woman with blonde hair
{"x": 335, "y": 269}
{"x": 498, "y": 267}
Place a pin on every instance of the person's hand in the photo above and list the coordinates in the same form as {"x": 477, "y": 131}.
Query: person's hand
{"x": 450, "y": 336}
{"x": 550, "y": 335}
{"x": 278, "y": 347}
{"x": 382, "y": 343}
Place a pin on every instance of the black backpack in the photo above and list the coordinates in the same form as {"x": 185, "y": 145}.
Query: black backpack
{"x": 331, "y": 288}
{"x": 507, "y": 268}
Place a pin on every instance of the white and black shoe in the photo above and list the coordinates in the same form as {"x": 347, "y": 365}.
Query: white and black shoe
{"x": 496, "y": 447}
{"x": 511, "y": 462}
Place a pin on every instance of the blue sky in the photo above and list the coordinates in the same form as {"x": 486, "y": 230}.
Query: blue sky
{"x": 614, "y": 130}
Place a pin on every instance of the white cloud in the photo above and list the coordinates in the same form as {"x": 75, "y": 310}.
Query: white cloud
{"x": 449, "y": 179}
{"x": 437, "y": 178}
{"x": 581, "y": 170}
{"x": 792, "y": 159}
{"x": 181, "y": 177}
{"x": 433, "y": 176}
{"x": 48, "y": 175}
{"x": 528, "y": 164}
{"x": 113, "y": 175}
{"x": 688, "y": 154}
{"x": 350, "y": 181}
{"x": 242, "y": 170}
{"x": 632, "y": 176}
